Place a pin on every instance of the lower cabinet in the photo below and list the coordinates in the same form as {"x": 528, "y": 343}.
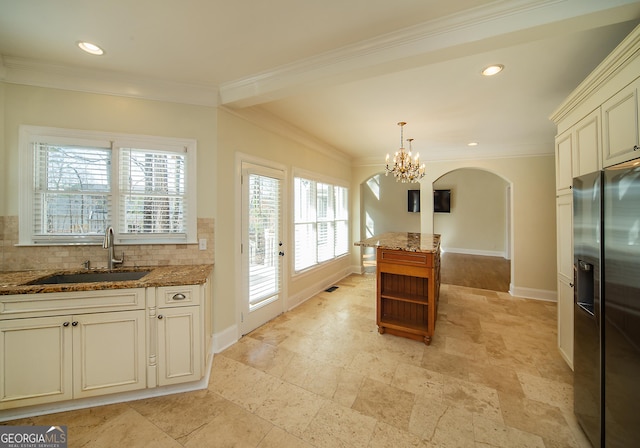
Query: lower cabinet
{"x": 102, "y": 342}
{"x": 179, "y": 345}
{"x": 50, "y": 359}
{"x": 179, "y": 329}
{"x": 408, "y": 287}
{"x": 565, "y": 320}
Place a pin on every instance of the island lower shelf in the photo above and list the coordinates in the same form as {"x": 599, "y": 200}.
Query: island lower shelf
{"x": 408, "y": 286}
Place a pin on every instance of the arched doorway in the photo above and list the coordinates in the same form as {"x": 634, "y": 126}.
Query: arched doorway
{"x": 476, "y": 231}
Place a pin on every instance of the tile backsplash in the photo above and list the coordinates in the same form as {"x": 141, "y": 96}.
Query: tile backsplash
{"x": 21, "y": 258}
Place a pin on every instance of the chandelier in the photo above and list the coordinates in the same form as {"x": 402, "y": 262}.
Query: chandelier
{"x": 405, "y": 169}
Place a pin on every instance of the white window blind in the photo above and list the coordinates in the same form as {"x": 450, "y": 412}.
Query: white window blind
{"x": 74, "y": 184}
{"x": 152, "y": 192}
{"x": 71, "y": 191}
{"x": 321, "y": 222}
{"x": 264, "y": 238}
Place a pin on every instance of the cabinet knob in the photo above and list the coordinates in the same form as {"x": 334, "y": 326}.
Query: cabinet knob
{"x": 179, "y": 296}
{"x": 571, "y": 285}
{"x": 636, "y": 148}
{"x": 75, "y": 324}
{"x": 66, "y": 324}
{"x": 160, "y": 316}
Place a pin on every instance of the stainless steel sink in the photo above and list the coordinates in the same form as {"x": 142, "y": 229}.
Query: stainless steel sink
{"x": 90, "y": 277}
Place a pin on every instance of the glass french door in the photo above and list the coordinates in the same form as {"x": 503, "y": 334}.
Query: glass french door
{"x": 262, "y": 245}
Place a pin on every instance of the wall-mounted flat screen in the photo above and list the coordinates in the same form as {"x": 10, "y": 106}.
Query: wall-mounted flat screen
{"x": 442, "y": 201}
{"x": 414, "y": 201}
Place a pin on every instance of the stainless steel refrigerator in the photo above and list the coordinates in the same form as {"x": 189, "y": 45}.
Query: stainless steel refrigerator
{"x": 607, "y": 305}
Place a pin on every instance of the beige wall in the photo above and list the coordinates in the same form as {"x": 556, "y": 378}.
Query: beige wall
{"x": 240, "y": 138}
{"x": 477, "y": 221}
{"x": 532, "y": 181}
{"x": 388, "y": 208}
{"x": 222, "y": 135}
{"x": 39, "y": 106}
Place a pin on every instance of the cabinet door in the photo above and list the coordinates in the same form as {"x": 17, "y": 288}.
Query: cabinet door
{"x": 587, "y": 151}
{"x": 180, "y": 357}
{"x": 564, "y": 154}
{"x": 621, "y": 126}
{"x": 565, "y": 320}
{"x": 109, "y": 353}
{"x": 564, "y": 235}
{"x": 35, "y": 361}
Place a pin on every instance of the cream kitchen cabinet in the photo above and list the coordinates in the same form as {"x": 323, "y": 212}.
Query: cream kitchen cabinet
{"x": 587, "y": 145}
{"x": 178, "y": 327}
{"x": 598, "y": 126}
{"x": 47, "y": 359}
{"x": 578, "y": 151}
{"x": 564, "y": 235}
{"x": 621, "y": 124}
{"x": 564, "y": 162}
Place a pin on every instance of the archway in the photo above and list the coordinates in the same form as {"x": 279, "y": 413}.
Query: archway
{"x": 476, "y": 229}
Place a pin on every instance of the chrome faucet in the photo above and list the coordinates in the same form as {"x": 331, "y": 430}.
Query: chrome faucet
{"x": 107, "y": 243}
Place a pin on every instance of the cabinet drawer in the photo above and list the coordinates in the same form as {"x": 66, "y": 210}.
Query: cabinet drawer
{"x": 170, "y": 296}
{"x": 77, "y": 302}
{"x": 423, "y": 259}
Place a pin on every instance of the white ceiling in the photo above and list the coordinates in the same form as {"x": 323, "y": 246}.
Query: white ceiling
{"x": 343, "y": 71}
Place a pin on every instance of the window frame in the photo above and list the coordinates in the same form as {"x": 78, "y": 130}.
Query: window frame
{"x": 28, "y": 135}
{"x": 319, "y": 179}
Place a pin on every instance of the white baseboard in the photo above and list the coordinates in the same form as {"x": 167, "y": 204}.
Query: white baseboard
{"x": 307, "y": 293}
{"x": 485, "y": 253}
{"x": 531, "y": 293}
{"x": 226, "y": 338}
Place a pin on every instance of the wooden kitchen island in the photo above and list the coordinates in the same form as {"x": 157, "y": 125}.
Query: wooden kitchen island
{"x": 408, "y": 283}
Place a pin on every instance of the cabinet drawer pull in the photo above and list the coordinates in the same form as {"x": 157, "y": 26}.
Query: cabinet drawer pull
{"x": 66, "y": 324}
{"x": 179, "y": 296}
{"x": 160, "y": 316}
{"x": 75, "y": 324}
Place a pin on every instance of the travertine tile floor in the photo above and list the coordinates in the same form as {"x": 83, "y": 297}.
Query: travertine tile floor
{"x": 322, "y": 376}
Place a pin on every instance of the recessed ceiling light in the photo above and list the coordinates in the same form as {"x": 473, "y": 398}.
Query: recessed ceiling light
{"x": 91, "y": 48}
{"x": 472, "y": 144}
{"x": 492, "y": 70}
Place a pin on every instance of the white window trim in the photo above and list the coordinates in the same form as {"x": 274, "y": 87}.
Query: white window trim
{"x": 309, "y": 175}
{"x": 28, "y": 134}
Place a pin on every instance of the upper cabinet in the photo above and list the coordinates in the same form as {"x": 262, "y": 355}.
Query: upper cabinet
{"x": 578, "y": 151}
{"x": 587, "y": 149}
{"x": 601, "y": 116}
{"x": 621, "y": 126}
{"x": 564, "y": 156}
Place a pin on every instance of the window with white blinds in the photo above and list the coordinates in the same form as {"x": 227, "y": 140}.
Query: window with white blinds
{"x": 74, "y": 184}
{"x": 71, "y": 191}
{"x": 152, "y": 192}
{"x": 321, "y": 222}
{"x": 264, "y": 238}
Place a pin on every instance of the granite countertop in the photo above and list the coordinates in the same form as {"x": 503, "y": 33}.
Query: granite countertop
{"x": 14, "y": 282}
{"x": 410, "y": 242}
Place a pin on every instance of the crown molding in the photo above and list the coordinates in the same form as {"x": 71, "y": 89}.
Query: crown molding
{"x": 31, "y": 72}
{"x": 406, "y": 48}
{"x": 260, "y": 117}
{"x": 622, "y": 56}
{"x": 510, "y": 152}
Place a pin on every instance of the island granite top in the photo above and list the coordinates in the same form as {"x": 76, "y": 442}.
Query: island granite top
{"x": 407, "y": 241}
{"x": 16, "y": 282}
